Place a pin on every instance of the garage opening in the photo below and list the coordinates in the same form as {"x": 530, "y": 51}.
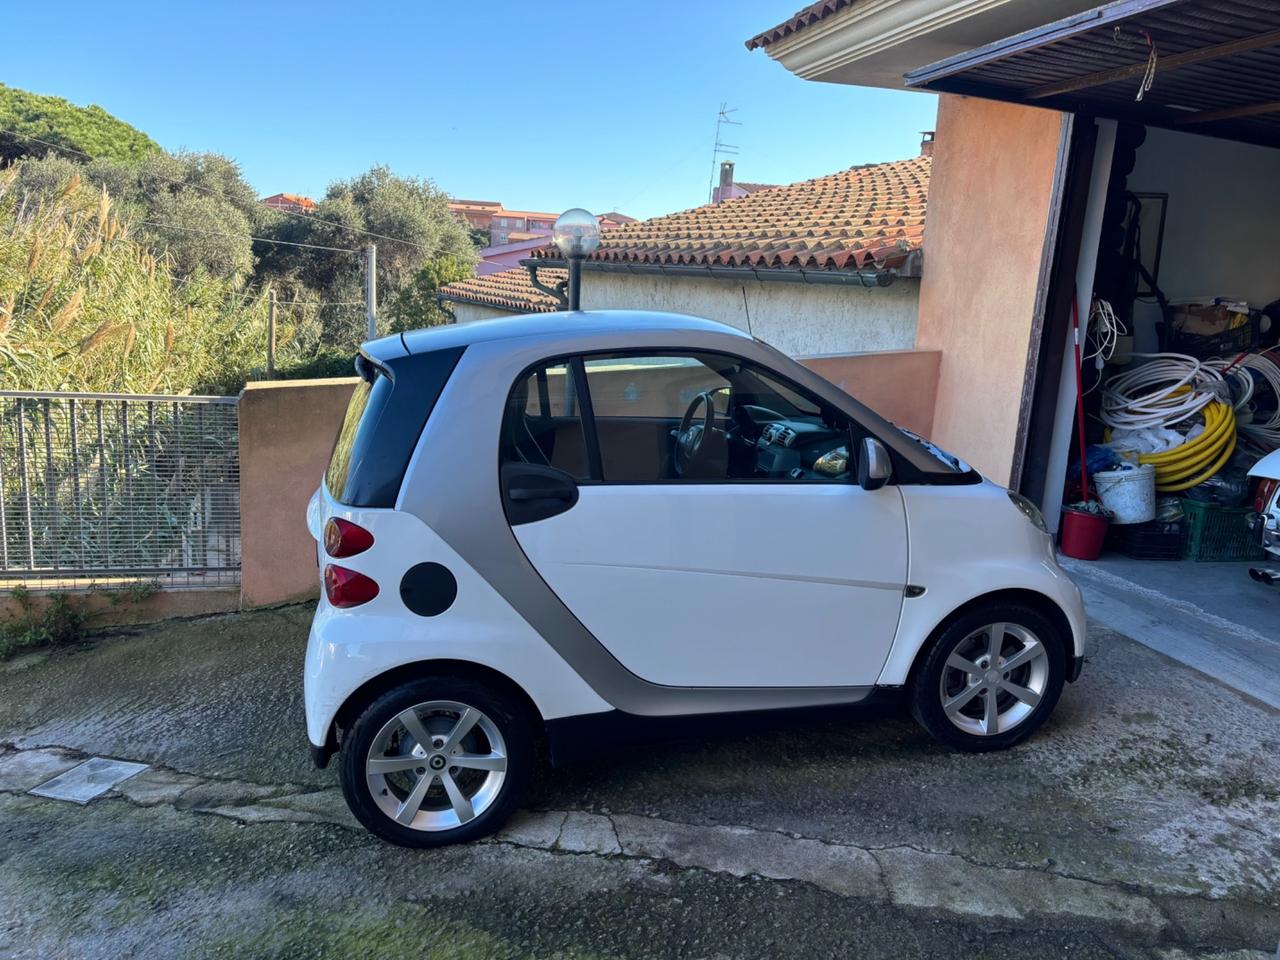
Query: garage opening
{"x": 1179, "y": 314}
{"x": 1167, "y": 261}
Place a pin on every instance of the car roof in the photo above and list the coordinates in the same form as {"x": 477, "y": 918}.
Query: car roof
{"x": 587, "y": 323}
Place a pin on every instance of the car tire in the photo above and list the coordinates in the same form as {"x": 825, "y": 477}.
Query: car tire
{"x": 969, "y": 700}
{"x": 383, "y": 763}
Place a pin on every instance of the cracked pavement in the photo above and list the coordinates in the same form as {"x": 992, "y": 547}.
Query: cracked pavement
{"x": 1144, "y": 821}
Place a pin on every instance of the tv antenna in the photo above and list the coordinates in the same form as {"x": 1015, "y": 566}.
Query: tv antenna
{"x": 722, "y": 149}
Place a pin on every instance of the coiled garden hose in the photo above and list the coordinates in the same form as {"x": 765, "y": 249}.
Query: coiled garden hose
{"x": 1168, "y": 390}
{"x": 1200, "y": 458}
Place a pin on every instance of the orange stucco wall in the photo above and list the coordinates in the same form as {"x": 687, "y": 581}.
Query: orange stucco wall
{"x": 287, "y": 430}
{"x": 900, "y": 385}
{"x": 994, "y": 174}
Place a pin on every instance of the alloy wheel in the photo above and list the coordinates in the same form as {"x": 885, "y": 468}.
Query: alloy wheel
{"x": 994, "y": 679}
{"x": 436, "y": 765}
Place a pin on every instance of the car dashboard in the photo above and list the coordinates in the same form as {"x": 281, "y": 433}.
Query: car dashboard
{"x": 801, "y": 450}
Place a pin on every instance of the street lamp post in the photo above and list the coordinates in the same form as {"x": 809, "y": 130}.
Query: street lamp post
{"x": 576, "y": 234}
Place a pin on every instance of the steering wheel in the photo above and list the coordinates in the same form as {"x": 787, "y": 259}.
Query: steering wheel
{"x": 691, "y": 437}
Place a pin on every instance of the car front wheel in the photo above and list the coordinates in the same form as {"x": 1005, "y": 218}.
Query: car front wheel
{"x": 991, "y": 679}
{"x": 439, "y": 760}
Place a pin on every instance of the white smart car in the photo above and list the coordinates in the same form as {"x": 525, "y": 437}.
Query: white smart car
{"x": 540, "y": 533}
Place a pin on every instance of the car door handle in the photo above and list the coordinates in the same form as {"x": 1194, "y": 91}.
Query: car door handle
{"x": 539, "y": 493}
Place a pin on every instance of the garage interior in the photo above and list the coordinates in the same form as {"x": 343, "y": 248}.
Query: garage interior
{"x": 1167, "y": 261}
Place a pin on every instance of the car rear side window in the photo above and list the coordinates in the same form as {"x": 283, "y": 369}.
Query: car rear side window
{"x": 335, "y": 477}
{"x": 543, "y": 422}
{"x": 384, "y": 419}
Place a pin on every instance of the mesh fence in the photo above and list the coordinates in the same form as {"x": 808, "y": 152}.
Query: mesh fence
{"x": 103, "y": 486}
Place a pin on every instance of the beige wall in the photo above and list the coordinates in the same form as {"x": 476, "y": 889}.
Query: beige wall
{"x": 990, "y": 198}
{"x": 287, "y": 429}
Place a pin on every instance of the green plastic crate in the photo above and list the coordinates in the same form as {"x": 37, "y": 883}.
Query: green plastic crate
{"x": 1219, "y": 533}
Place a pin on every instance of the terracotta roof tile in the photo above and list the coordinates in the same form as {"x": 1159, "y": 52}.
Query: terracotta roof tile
{"x": 509, "y": 289}
{"x": 867, "y": 217}
{"x": 863, "y": 218}
{"x": 799, "y": 20}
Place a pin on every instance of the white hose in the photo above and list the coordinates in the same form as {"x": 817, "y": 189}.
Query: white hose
{"x": 1107, "y": 331}
{"x": 1152, "y": 394}
{"x": 1267, "y": 431}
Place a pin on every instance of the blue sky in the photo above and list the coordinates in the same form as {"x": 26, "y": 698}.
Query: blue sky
{"x": 543, "y": 106}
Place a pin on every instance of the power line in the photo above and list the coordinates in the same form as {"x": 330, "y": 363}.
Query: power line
{"x": 241, "y": 236}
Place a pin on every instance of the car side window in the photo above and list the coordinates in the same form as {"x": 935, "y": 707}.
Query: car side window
{"x": 703, "y": 417}
{"x": 639, "y": 402}
{"x": 542, "y": 424}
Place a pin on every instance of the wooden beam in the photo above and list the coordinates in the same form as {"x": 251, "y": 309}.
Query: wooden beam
{"x": 1171, "y": 62}
{"x": 1229, "y": 113}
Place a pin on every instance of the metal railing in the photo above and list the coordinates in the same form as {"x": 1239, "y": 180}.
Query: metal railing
{"x": 97, "y": 486}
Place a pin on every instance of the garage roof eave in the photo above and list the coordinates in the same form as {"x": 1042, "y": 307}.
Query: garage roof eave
{"x": 1215, "y": 67}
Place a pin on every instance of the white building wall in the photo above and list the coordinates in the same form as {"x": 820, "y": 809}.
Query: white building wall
{"x": 798, "y": 318}
{"x": 1220, "y": 231}
{"x": 470, "y": 312}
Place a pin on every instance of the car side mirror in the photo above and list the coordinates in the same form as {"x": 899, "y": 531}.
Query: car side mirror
{"x": 874, "y": 466}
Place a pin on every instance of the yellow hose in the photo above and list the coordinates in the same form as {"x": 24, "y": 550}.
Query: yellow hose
{"x": 1196, "y": 460}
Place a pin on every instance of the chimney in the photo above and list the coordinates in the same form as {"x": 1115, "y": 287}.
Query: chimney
{"x": 724, "y": 191}
{"x": 926, "y": 143}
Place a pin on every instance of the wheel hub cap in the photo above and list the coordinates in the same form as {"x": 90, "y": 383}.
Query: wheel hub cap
{"x": 436, "y": 765}
{"x": 994, "y": 678}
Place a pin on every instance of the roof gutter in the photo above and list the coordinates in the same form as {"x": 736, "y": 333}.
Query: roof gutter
{"x": 855, "y": 278}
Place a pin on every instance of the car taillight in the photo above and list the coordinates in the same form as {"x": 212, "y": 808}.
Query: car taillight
{"x": 342, "y": 538}
{"x": 346, "y": 588}
{"x": 1262, "y": 497}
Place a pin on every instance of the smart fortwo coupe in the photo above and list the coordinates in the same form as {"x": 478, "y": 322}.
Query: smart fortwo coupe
{"x": 538, "y": 532}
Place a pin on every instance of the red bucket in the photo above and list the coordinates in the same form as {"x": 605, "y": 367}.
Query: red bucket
{"x": 1082, "y": 533}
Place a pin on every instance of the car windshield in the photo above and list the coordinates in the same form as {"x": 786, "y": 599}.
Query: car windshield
{"x": 948, "y": 460}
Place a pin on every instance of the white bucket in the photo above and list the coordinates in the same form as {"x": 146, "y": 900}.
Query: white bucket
{"x": 1130, "y": 495}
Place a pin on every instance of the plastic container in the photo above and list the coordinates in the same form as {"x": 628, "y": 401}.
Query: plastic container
{"x": 1153, "y": 540}
{"x": 1129, "y": 495}
{"x": 1219, "y": 533}
{"x": 1082, "y": 533}
{"x": 1203, "y": 346}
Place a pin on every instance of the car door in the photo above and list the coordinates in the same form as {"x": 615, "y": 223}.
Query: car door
{"x": 727, "y": 574}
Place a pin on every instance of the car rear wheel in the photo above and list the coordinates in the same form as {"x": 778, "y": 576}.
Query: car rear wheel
{"x": 437, "y": 761}
{"x": 991, "y": 679}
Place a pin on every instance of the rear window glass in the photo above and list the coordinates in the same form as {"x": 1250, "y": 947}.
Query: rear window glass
{"x": 384, "y": 420}
{"x": 348, "y": 449}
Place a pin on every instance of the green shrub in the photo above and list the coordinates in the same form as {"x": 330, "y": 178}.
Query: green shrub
{"x": 327, "y": 362}
{"x": 59, "y": 624}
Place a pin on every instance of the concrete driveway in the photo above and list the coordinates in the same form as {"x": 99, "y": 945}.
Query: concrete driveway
{"x": 1143, "y": 822}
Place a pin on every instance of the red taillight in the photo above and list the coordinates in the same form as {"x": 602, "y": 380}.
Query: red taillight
{"x": 1266, "y": 487}
{"x": 346, "y": 588}
{"x": 342, "y": 538}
